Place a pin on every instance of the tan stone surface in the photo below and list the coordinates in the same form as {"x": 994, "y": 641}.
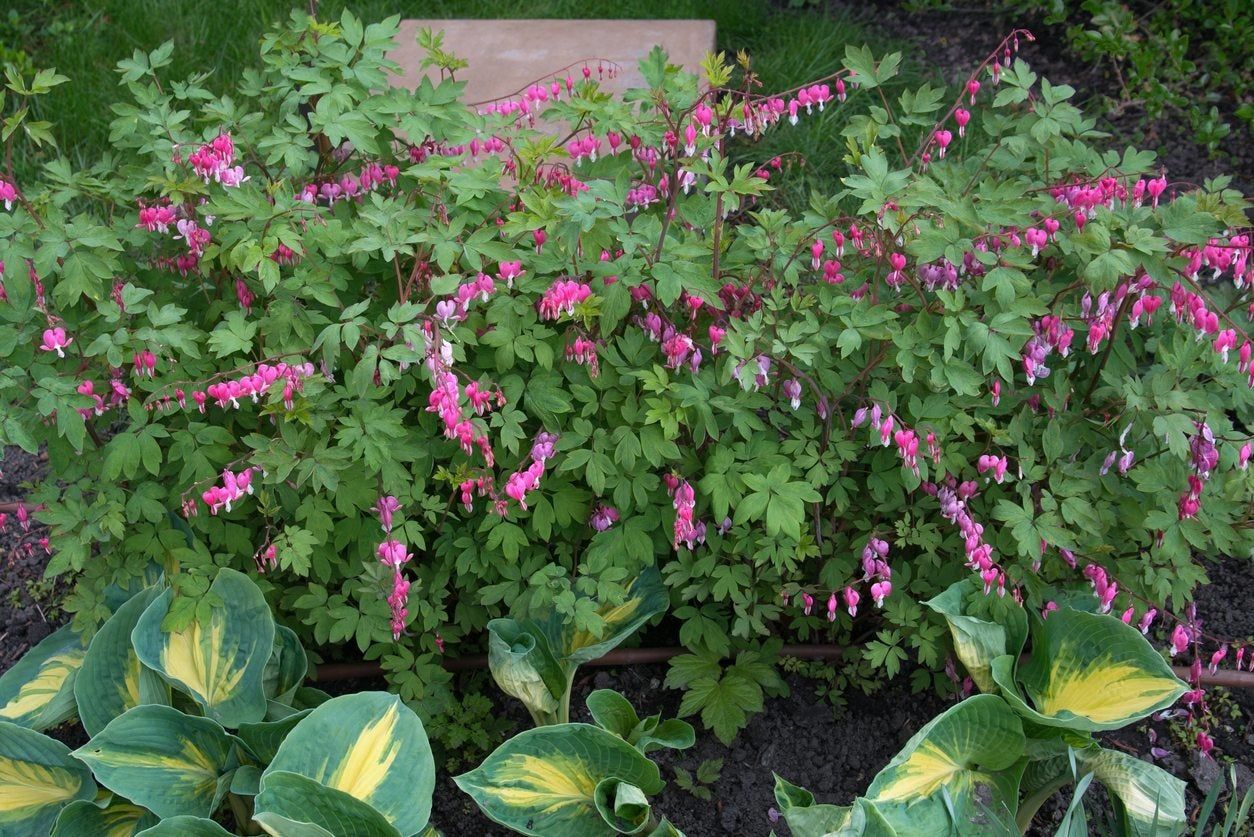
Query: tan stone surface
{"x": 506, "y": 55}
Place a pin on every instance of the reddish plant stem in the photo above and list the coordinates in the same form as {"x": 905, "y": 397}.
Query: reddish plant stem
{"x": 328, "y": 672}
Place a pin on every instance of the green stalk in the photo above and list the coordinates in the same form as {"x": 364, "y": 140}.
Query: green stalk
{"x": 564, "y": 715}
{"x": 1029, "y": 806}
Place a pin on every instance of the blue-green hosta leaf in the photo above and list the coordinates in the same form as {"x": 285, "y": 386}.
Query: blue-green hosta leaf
{"x": 292, "y": 805}
{"x": 246, "y": 780}
{"x": 119, "y": 818}
{"x": 622, "y": 806}
{"x": 185, "y": 827}
{"x": 646, "y": 598}
{"x": 524, "y": 667}
{"x": 286, "y": 669}
{"x": 652, "y": 734}
{"x": 38, "y": 777}
{"x": 612, "y": 712}
{"x": 263, "y": 738}
{"x": 172, "y": 764}
{"x": 112, "y": 679}
{"x": 38, "y": 692}
{"x": 978, "y": 642}
{"x": 968, "y": 758}
{"x": 543, "y": 781}
{"x": 1148, "y": 799}
{"x": 370, "y": 746}
{"x": 220, "y": 661}
{"x": 666, "y": 829}
{"x": 1087, "y": 671}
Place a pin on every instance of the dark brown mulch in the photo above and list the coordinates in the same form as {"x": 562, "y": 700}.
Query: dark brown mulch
{"x": 28, "y": 604}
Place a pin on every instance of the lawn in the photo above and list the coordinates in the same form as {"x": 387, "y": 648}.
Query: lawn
{"x": 84, "y": 41}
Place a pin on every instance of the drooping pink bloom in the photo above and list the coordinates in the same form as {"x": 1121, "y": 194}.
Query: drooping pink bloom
{"x": 386, "y": 506}
{"x": 234, "y": 486}
{"x": 1217, "y": 658}
{"x": 55, "y": 340}
{"x": 851, "y": 598}
{"x": 603, "y": 517}
{"x": 392, "y": 553}
{"x": 881, "y": 590}
{"x": 8, "y": 193}
{"x": 562, "y": 297}
{"x": 1180, "y": 640}
{"x": 962, "y": 117}
{"x": 792, "y": 391}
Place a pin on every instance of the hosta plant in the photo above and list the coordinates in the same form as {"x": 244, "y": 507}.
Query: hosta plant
{"x": 535, "y": 660}
{"x": 986, "y": 765}
{"x": 579, "y": 780}
{"x": 426, "y": 361}
{"x": 206, "y": 717}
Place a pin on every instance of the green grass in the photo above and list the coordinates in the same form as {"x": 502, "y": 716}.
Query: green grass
{"x": 84, "y": 41}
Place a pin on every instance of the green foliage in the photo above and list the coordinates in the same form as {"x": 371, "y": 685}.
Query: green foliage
{"x": 988, "y": 764}
{"x": 698, "y": 783}
{"x": 725, "y": 696}
{"x": 1184, "y": 56}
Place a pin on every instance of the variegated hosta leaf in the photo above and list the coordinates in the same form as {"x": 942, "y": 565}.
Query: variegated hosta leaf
{"x": 38, "y": 777}
{"x": 38, "y": 692}
{"x": 623, "y": 806}
{"x": 978, "y": 641}
{"x": 85, "y": 818}
{"x": 806, "y": 818}
{"x": 112, "y": 679}
{"x": 219, "y": 661}
{"x": 370, "y": 746}
{"x": 646, "y": 598}
{"x": 185, "y": 827}
{"x": 172, "y": 764}
{"x": 524, "y": 667}
{"x": 543, "y": 781}
{"x": 292, "y": 805}
{"x": 1148, "y": 799}
{"x": 970, "y": 757}
{"x": 1088, "y": 671}
{"x": 285, "y": 672}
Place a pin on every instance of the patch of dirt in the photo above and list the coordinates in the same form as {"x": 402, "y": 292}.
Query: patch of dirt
{"x": 800, "y": 737}
{"x": 28, "y": 604}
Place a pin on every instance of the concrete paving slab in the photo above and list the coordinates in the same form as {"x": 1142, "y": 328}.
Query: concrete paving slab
{"x": 506, "y": 55}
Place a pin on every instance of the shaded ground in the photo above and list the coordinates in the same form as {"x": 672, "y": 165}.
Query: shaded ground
{"x": 28, "y": 609}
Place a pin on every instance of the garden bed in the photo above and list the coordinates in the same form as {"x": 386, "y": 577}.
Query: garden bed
{"x": 801, "y": 737}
